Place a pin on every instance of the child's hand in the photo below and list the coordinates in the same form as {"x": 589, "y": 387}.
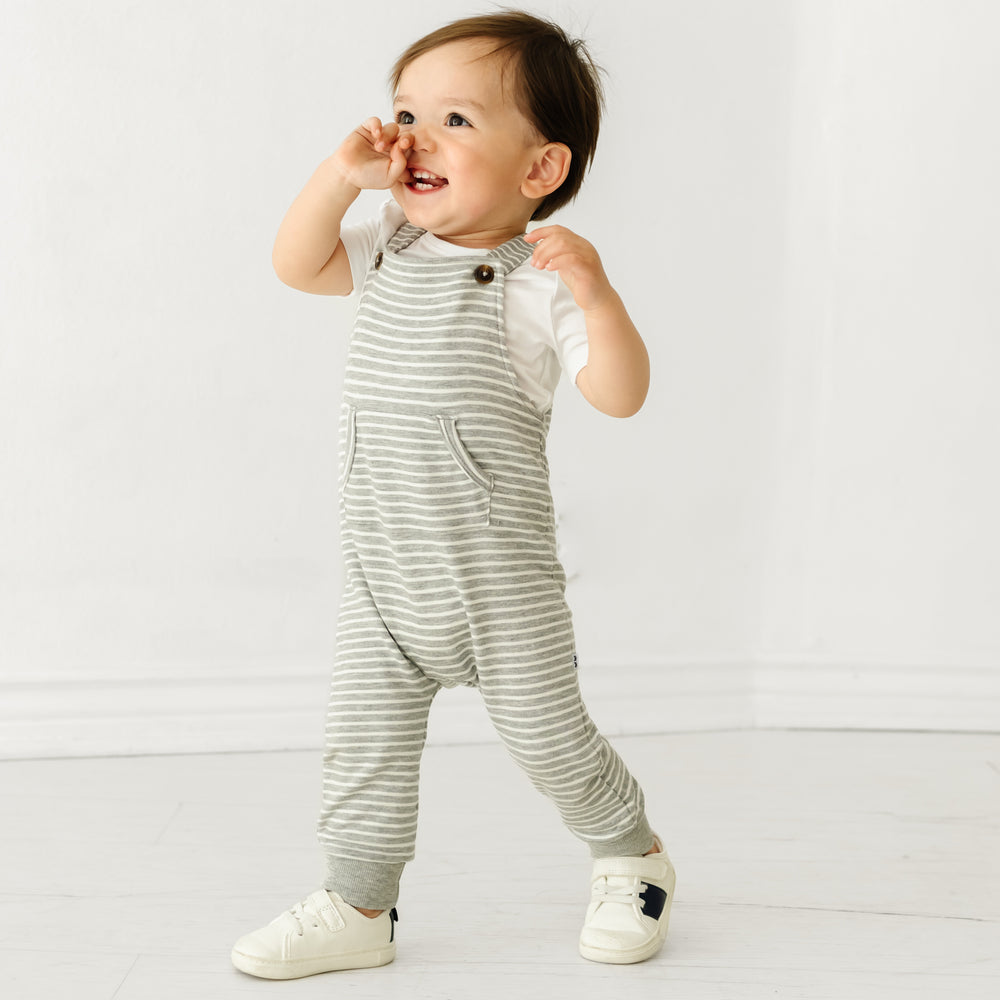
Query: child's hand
{"x": 373, "y": 156}
{"x": 577, "y": 263}
{"x": 616, "y": 376}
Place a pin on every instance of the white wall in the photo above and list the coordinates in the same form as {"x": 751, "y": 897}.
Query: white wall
{"x": 794, "y": 198}
{"x": 883, "y": 580}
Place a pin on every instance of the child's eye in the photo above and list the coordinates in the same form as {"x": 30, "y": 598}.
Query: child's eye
{"x": 404, "y": 118}
{"x": 454, "y": 119}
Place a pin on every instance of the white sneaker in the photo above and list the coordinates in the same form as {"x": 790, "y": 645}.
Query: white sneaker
{"x": 629, "y": 908}
{"x": 320, "y": 934}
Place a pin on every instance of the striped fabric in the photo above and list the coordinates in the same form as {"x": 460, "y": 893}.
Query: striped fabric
{"x": 451, "y": 572}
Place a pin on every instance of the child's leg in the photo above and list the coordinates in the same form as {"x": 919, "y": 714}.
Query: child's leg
{"x": 539, "y": 714}
{"x": 375, "y": 733}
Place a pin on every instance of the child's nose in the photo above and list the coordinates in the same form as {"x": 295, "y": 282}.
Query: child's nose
{"x": 423, "y": 138}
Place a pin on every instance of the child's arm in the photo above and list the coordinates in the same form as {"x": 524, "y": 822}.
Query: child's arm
{"x": 616, "y": 376}
{"x": 308, "y": 254}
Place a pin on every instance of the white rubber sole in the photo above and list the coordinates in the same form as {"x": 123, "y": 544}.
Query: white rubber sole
{"x": 630, "y": 957}
{"x": 300, "y": 968}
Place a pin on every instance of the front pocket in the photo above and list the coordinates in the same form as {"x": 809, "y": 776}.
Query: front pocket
{"x": 458, "y": 451}
{"x": 350, "y": 444}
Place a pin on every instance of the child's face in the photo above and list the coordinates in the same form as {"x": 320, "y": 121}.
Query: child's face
{"x": 470, "y": 136}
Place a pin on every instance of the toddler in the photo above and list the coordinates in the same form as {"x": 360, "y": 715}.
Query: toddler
{"x": 451, "y": 575}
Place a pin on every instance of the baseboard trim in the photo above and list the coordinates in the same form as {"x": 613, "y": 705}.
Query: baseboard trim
{"x": 58, "y": 717}
{"x": 819, "y": 694}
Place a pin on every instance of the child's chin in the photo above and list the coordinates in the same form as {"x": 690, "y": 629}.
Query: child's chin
{"x": 411, "y": 211}
{"x": 418, "y": 214}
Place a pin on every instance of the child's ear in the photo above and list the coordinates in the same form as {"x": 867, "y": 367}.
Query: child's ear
{"x": 548, "y": 171}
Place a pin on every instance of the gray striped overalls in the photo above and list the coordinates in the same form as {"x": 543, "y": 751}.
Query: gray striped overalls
{"x": 451, "y": 572}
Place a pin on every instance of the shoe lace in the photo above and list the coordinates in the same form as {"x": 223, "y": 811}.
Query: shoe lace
{"x": 302, "y": 912}
{"x": 619, "y": 892}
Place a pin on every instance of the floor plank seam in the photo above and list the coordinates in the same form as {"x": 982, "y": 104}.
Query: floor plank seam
{"x": 856, "y": 912}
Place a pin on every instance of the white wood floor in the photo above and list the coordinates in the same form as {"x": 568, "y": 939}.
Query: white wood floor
{"x": 810, "y": 865}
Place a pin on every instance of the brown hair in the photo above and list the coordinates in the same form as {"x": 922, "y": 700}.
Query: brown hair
{"x": 556, "y": 85}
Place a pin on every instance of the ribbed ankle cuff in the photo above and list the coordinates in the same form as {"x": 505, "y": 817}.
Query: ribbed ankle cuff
{"x": 634, "y": 844}
{"x": 368, "y": 884}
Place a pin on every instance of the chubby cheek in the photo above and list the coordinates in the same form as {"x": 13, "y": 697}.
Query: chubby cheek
{"x": 399, "y": 195}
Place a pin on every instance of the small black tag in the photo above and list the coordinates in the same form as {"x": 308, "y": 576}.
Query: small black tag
{"x": 393, "y": 918}
{"x": 653, "y": 901}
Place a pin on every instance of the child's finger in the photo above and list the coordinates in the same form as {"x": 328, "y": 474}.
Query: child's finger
{"x": 387, "y": 135}
{"x": 373, "y": 126}
{"x": 550, "y": 249}
{"x": 540, "y": 234}
{"x": 397, "y": 154}
{"x": 567, "y": 261}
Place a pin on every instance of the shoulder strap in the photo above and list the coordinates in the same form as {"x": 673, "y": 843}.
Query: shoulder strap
{"x": 513, "y": 253}
{"x": 403, "y": 237}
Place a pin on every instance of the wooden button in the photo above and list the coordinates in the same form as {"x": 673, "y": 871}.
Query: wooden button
{"x": 483, "y": 274}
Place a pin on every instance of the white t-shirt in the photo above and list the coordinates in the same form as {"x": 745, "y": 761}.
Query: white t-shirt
{"x": 545, "y": 328}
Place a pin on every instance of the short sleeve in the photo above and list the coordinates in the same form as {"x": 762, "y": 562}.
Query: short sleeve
{"x": 569, "y": 330}
{"x": 361, "y": 240}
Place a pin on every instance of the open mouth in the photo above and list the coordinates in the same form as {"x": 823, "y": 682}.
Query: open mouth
{"x": 424, "y": 180}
